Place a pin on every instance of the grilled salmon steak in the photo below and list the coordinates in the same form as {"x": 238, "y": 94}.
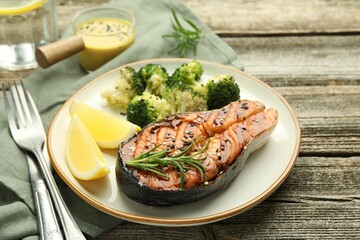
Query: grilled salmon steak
{"x": 197, "y": 153}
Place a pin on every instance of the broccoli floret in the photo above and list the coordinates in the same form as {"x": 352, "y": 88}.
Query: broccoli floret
{"x": 188, "y": 76}
{"x": 155, "y": 77}
{"x": 147, "y": 108}
{"x": 125, "y": 88}
{"x": 185, "y": 100}
{"x": 189, "y": 73}
{"x": 137, "y": 85}
{"x": 221, "y": 91}
{"x": 183, "y": 91}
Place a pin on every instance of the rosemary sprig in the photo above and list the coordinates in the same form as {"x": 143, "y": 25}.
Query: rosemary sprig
{"x": 153, "y": 160}
{"x": 187, "y": 39}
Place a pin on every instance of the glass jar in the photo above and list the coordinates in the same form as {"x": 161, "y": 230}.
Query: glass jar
{"x": 106, "y": 33}
{"x": 23, "y": 28}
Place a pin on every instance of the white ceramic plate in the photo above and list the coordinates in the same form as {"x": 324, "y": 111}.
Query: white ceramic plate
{"x": 263, "y": 173}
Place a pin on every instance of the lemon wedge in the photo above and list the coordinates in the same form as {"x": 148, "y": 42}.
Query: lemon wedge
{"x": 83, "y": 156}
{"x": 107, "y": 130}
{"x": 10, "y": 7}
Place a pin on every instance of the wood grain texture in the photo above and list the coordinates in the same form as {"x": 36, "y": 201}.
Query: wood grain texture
{"x": 282, "y": 17}
{"x": 330, "y": 57}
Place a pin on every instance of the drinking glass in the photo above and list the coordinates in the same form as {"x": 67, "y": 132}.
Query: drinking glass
{"x": 23, "y": 28}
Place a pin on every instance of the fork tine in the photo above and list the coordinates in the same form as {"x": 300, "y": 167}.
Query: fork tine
{"x": 31, "y": 109}
{"x": 19, "y": 107}
{"x": 8, "y": 108}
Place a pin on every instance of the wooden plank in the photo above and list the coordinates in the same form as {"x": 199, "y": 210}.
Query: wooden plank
{"x": 239, "y": 17}
{"x": 318, "y": 200}
{"x": 258, "y": 17}
{"x": 334, "y": 57}
{"x": 321, "y": 180}
{"x": 330, "y": 136}
{"x": 325, "y": 102}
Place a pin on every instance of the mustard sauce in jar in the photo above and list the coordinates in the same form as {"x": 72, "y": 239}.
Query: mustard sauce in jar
{"x": 104, "y": 38}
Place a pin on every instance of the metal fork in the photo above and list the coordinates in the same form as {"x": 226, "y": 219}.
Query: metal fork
{"x": 26, "y": 131}
{"x": 47, "y": 221}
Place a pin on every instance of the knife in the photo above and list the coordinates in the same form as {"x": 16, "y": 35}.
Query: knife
{"x": 47, "y": 222}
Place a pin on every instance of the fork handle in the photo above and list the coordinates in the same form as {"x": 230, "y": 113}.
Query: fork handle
{"x": 71, "y": 230}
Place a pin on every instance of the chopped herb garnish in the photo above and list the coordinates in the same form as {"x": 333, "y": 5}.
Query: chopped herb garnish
{"x": 153, "y": 161}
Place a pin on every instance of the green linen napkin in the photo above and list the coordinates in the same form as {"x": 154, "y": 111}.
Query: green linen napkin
{"x": 51, "y": 87}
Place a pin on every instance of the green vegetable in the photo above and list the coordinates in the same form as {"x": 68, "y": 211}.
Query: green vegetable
{"x": 152, "y": 161}
{"x": 126, "y": 87}
{"x": 137, "y": 85}
{"x": 154, "y": 76}
{"x": 186, "y": 39}
{"x": 189, "y": 73}
{"x": 183, "y": 91}
{"x": 147, "y": 108}
{"x": 185, "y": 100}
{"x": 150, "y": 94}
{"x": 221, "y": 91}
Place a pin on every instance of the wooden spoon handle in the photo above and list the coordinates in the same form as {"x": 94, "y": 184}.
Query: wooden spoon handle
{"x": 50, "y": 54}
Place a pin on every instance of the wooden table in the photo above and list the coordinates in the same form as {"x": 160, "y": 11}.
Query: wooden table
{"x": 309, "y": 51}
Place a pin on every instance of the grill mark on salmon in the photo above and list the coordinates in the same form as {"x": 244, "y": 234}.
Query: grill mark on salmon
{"x": 220, "y": 120}
{"x": 231, "y": 132}
{"x": 235, "y": 140}
{"x": 186, "y": 127}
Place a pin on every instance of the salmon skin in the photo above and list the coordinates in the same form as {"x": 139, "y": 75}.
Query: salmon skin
{"x": 226, "y": 137}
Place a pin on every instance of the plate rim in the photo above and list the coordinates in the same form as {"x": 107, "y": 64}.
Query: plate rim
{"x": 179, "y": 221}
